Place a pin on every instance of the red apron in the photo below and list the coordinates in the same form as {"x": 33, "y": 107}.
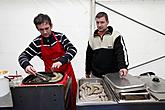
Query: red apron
{"x": 55, "y": 52}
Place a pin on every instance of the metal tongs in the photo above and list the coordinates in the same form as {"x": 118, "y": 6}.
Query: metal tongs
{"x": 44, "y": 77}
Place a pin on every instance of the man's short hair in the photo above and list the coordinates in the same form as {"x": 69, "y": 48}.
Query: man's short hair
{"x": 42, "y": 18}
{"x": 102, "y": 14}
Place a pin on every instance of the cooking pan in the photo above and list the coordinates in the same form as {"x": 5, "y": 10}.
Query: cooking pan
{"x": 43, "y": 78}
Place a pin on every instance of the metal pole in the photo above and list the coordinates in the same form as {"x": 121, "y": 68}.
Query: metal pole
{"x": 92, "y": 18}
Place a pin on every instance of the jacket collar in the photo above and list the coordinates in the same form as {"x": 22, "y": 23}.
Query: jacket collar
{"x": 109, "y": 31}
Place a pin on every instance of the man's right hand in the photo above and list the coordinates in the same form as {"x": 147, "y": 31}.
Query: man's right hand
{"x": 30, "y": 70}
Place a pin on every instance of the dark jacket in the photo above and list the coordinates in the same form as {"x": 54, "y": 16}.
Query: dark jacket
{"x": 106, "y": 55}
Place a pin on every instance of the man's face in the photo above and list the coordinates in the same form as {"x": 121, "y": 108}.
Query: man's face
{"x": 101, "y": 24}
{"x": 44, "y": 29}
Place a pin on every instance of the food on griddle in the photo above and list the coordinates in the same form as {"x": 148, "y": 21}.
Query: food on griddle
{"x": 92, "y": 92}
{"x": 46, "y": 78}
{"x": 37, "y": 79}
{"x": 57, "y": 77}
{"x": 3, "y": 71}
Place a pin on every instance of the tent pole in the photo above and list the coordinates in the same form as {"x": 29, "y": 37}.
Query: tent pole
{"x": 92, "y": 18}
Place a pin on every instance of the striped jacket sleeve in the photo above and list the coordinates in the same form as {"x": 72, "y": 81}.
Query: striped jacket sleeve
{"x": 31, "y": 51}
{"x": 70, "y": 50}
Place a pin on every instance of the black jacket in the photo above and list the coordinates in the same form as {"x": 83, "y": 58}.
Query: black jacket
{"x": 107, "y": 55}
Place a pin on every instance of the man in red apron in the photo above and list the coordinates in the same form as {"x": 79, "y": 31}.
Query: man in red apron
{"x": 48, "y": 56}
{"x": 54, "y": 49}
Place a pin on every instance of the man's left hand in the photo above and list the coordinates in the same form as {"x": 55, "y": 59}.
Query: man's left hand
{"x": 123, "y": 72}
{"x": 56, "y": 65}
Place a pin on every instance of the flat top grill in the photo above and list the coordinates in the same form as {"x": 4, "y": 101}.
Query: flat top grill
{"x": 32, "y": 80}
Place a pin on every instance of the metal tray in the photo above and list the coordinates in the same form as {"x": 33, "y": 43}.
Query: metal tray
{"x": 94, "y": 80}
{"x": 124, "y": 84}
{"x": 135, "y": 96}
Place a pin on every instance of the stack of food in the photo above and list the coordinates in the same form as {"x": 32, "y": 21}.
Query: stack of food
{"x": 92, "y": 92}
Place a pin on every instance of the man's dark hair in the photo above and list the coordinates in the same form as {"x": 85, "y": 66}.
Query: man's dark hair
{"x": 102, "y": 14}
{"x": 42, "y": 18}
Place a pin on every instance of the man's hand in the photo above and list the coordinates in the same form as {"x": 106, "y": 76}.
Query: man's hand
{"x": 56, "y": 65}
{"x": 30, "y": 70}
{"x": 123, "y": 72}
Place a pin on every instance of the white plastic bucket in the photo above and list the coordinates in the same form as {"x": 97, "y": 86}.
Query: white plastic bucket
{"x": 4, "y": 87}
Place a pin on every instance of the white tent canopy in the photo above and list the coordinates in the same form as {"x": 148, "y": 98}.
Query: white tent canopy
{"x": 75, "y": 18}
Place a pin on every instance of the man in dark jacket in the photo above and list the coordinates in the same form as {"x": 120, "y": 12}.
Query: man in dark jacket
{"x": 106, "y": 51}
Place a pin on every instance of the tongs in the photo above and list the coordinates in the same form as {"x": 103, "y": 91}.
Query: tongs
{"x": 44, "y": 77}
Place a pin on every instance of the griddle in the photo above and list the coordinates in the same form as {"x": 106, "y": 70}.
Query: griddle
{"x": 31, "y": 79}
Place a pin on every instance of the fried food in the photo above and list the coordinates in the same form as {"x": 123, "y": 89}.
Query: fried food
{"x": 58, "y": 77}
{"x": 3, "y": 72}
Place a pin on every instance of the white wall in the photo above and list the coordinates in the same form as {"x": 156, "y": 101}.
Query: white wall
{"x": 142, "y": 43}
{"x": 72, "y": 17}
{"x": 17, "y": 29}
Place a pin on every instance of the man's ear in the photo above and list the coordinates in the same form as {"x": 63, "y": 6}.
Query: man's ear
{"x": 51, "y": 26}
{"x": 108, "y": 22}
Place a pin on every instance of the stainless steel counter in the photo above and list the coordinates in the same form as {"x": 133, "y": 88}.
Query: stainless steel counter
{"x": 125, "y": 106}
{"x": 148, "y": 104}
